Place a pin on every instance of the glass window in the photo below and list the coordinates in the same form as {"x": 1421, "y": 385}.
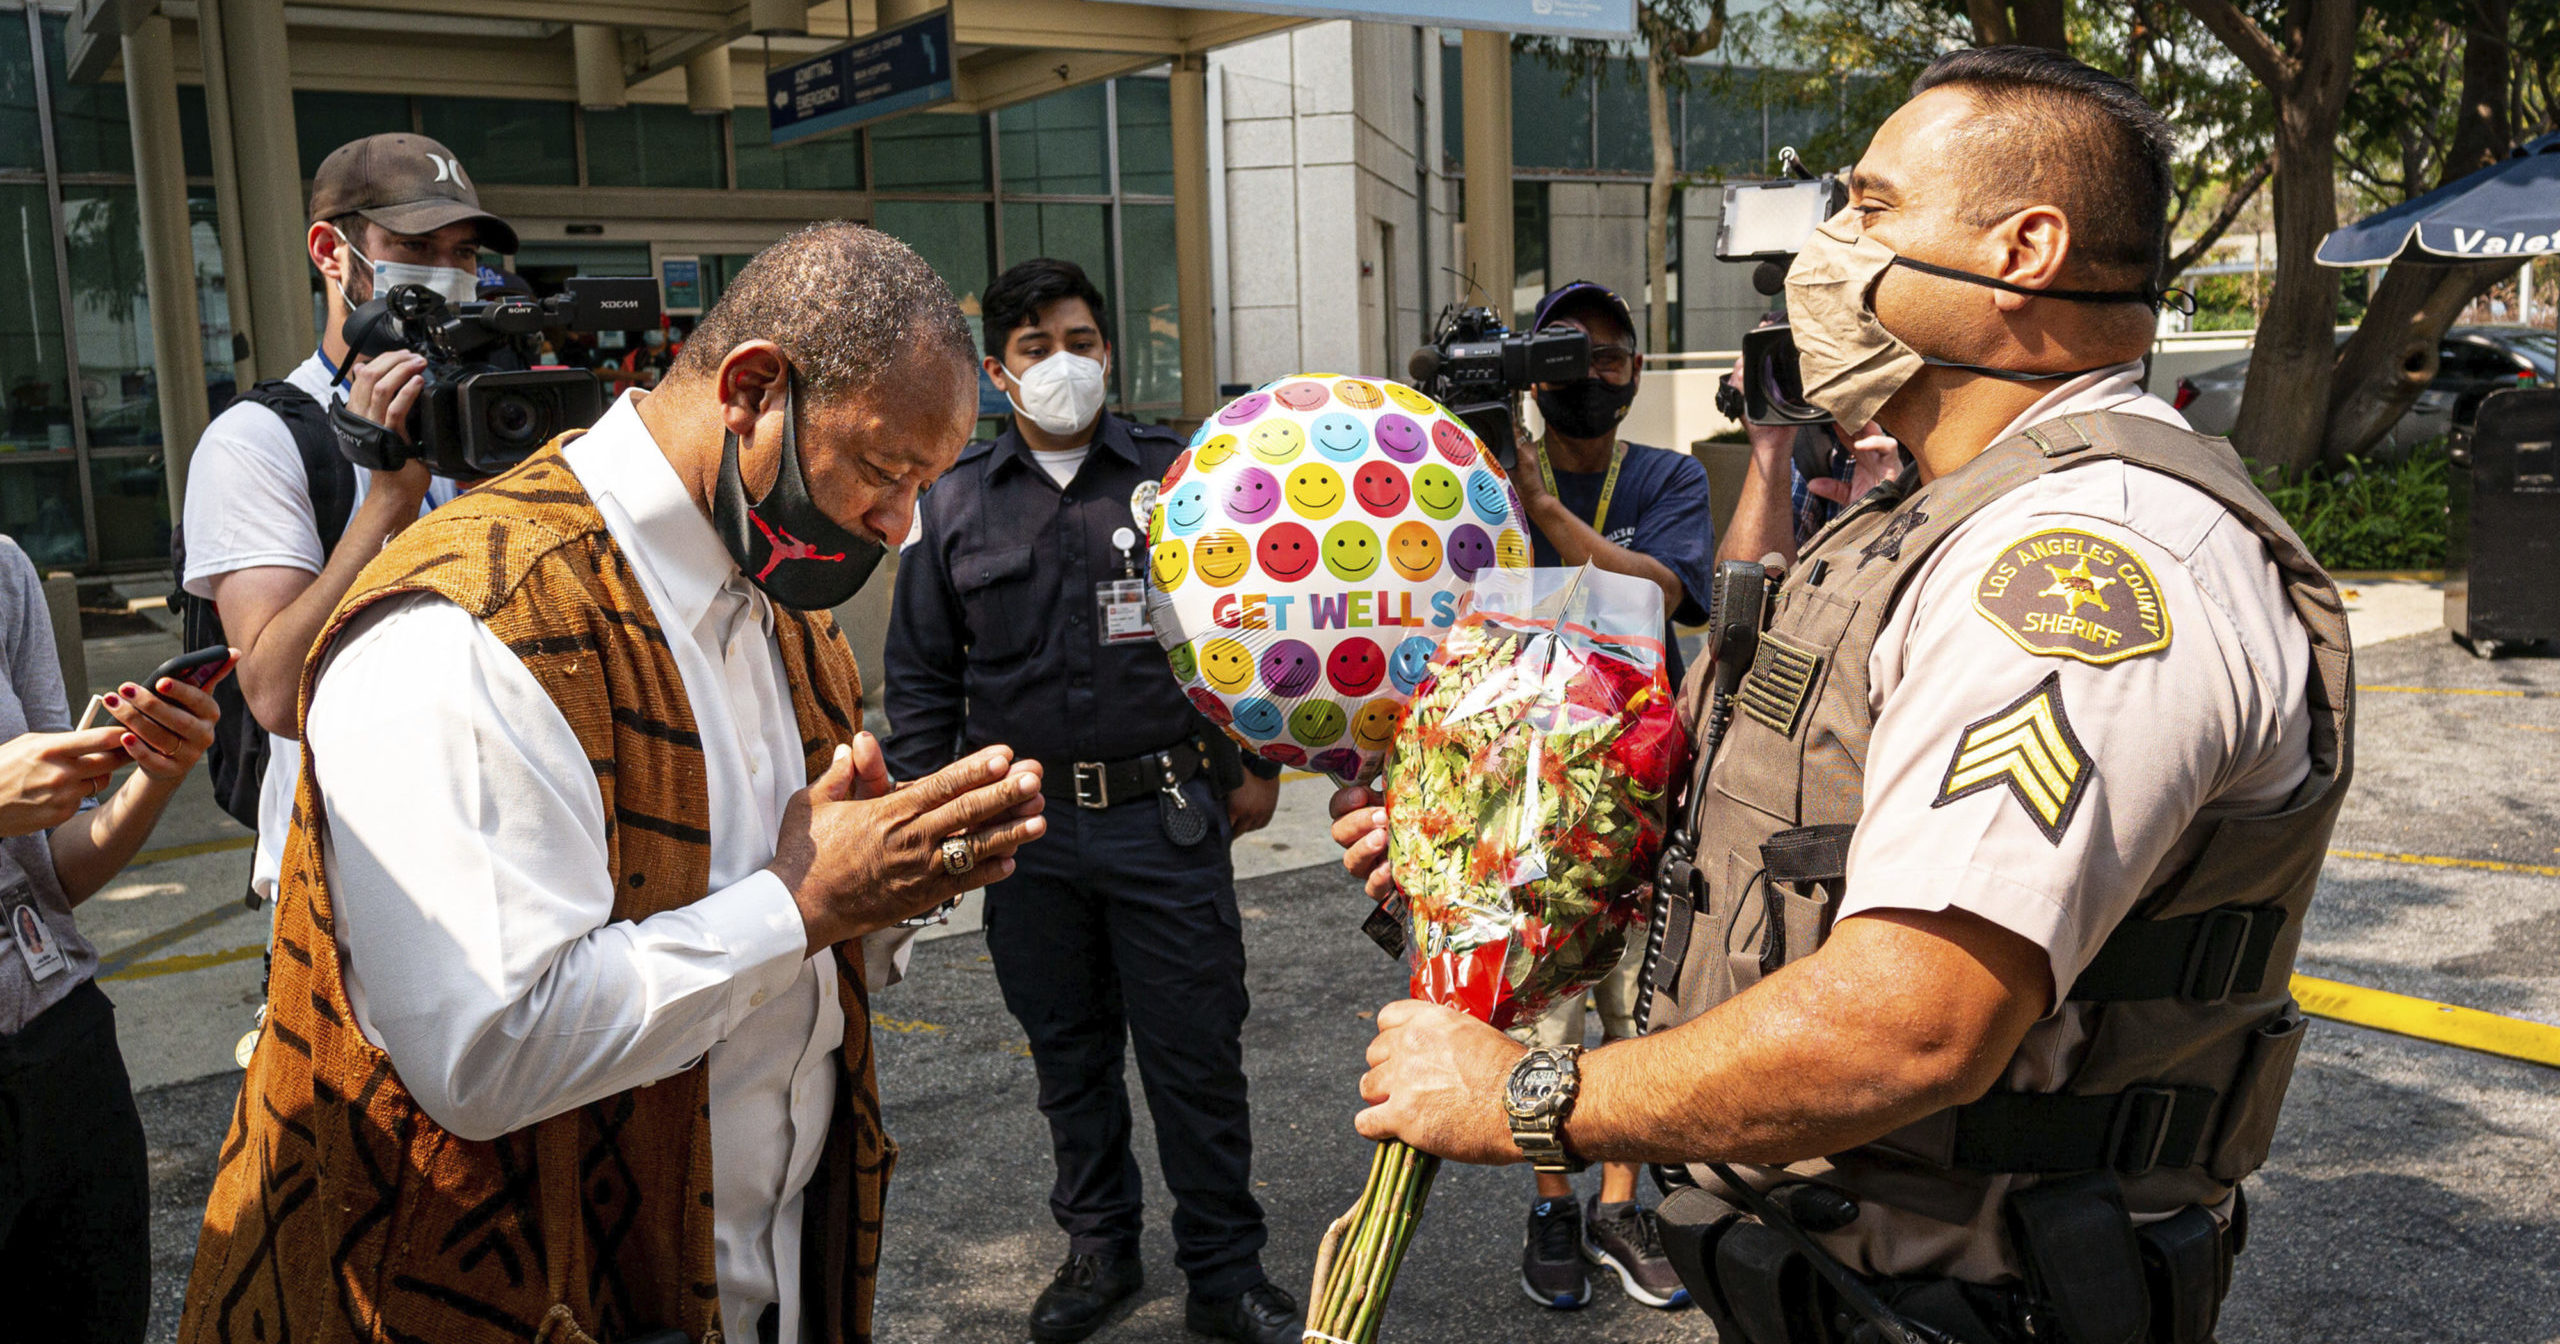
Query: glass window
{"x": 1626, "y": 128}
{"x": 31, "y": 369}
{"x": 930, "y": 151}
{"x": 952, "y": 238}
{"x": 1550, "y": 128}
{"x": 654, "y": 145}
{"x": 522, "y": 140}
{"x": 826, "y": 163}
{"x": 1724, "y": 132}
{"x": 20, "y": 143}
{"x": 213, "y": 301}
{"x": 324, "y": 121}
{"x": 195, "y": 133}
{"x": 1528, "y": 248}
{"x": 1056, "y": 144}
{"x": 1077, "y": 233}
{"x": 1146, "y": 136}
{"x": 1152, "y": 354}
{"x": 89, "y": 130}
{"x": 40, "y": 508}
{"x": 129, "y": 493}
{"x": 1453, "y": 102}
{"x": 111, "y": 315}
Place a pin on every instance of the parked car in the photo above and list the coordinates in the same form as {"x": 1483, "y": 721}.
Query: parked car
{"x": 2472, "y": 363}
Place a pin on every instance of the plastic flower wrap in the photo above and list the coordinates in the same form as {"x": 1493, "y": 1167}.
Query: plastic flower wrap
{"x": 1529, "y": 790}
{"x": 1528, "y": 786}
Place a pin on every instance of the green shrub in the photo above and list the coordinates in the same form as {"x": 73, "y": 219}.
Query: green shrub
{"x": 2368, "y": 515}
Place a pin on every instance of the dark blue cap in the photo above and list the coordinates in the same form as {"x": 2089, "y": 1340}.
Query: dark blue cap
{"x": 1582, "y": 294}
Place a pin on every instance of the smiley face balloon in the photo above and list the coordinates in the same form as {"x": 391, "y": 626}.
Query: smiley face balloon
{"x": 1310, "y": 553}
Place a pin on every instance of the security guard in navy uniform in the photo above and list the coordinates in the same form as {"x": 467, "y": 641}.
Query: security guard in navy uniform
{"x": 1972, "y": 1005}
{"x": 1020, "y": 619}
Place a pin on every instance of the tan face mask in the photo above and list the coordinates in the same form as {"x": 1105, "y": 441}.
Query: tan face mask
{"x": 1849, "y": 364}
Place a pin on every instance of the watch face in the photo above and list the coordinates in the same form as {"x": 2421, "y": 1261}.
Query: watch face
{"x": 1535, "y": 1085}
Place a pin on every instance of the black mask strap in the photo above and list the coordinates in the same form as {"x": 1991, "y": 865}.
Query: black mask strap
{"x": 2148, "y": 297}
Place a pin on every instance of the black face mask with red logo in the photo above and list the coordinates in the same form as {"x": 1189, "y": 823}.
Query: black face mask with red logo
{"x": 787, "y": 546}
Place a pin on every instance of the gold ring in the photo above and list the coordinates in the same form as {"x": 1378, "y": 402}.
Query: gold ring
{"x": 958, "y": 855}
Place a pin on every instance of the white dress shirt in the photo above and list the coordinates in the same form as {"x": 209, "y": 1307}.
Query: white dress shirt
{"x": 466, "y": 855}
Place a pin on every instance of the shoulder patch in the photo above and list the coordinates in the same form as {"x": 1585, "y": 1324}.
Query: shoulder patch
{"x": 2029, "y": 749}
{"x": 2064, "y": 593}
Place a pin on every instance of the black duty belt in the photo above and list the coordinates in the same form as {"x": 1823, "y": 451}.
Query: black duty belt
{"x": 1101, "y": 784}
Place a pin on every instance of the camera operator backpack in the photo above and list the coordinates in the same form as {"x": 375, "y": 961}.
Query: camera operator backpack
{"x": 237, "y": 761}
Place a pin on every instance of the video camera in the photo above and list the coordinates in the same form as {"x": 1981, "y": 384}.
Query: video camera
{"x": 483, "y": 407}
{"x": 1767, "y": 222}
{"x": 1475, "y": 366}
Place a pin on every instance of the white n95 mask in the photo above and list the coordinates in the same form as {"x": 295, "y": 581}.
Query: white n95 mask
{"x": 1060, "y": 394}
{"x": 455, "y": 284}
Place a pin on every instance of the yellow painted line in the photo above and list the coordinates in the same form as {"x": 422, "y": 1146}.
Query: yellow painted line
{"x": 903, "y": 1026}
{"x": 2427, "y": 1020}
{"x": 222, "y": 846}
{"x": 2441, "y": 861}
{"x": 2506, "y": 693}
{"x": 189, "y": 961}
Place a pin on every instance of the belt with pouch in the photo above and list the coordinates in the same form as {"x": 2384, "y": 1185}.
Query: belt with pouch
{"x": 1100, "y": 784}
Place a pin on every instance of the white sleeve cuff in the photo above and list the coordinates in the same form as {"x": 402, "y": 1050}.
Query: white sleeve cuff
{"x": 755, "y": 921}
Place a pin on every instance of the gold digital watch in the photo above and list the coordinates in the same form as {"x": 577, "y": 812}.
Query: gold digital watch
{"x": 1537, "y": 1098}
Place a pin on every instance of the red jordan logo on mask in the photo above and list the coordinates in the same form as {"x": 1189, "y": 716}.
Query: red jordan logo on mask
{"x": 785, "y": 547}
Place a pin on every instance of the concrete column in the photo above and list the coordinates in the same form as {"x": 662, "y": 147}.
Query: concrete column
{"x": 708, "y": 89}
{"x": 599, "y": 55}
{"x": 168, "y": 258}
{"x": 1193, "y": 272}
{"x": 1487, "y": 85}
{"x": 272, "y": 218}
{"x": 226, "y": 192}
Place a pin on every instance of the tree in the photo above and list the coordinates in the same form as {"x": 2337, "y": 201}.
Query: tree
{"x": 1668, "y": 34}
{"x": 2392, "y": 355}
{"x": 2305, "y": 67}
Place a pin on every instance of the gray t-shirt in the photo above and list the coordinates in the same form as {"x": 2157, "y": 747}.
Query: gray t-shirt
{"x": 31, "y": 701}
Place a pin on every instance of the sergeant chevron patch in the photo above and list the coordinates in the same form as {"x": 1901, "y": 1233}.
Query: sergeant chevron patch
{"x": 2029, "y": 749}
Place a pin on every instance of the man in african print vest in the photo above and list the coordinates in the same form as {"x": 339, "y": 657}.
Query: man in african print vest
{"x": 567, "y": 1035}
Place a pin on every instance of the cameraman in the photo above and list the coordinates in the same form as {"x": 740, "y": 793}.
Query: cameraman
{"x": 1642, "y": 511}
{"x": 1780, "y": 504}
{"x": 277, "y": 521}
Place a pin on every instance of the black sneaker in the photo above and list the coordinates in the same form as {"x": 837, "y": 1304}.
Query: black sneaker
{"x": 1631, "y": 1244}
{"x": 1261, "y": 1314}
{"x": 1080, "y": 1299}
{"x": 1551, "y": 1259}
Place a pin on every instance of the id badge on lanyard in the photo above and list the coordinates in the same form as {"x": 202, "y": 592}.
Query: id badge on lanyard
{"x": 1122, "y": 602}
{"x": 36, "y": 943}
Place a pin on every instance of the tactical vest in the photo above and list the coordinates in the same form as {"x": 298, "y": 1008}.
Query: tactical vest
{"x": 342, "y": 1211}
{"x": 2192, "y": 1026}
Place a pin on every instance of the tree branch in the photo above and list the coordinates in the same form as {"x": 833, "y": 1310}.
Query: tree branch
{"x": 2233, "y": 202}
{"x": 2247, "y": 41}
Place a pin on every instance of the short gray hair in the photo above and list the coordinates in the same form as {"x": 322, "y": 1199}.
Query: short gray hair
{"x": 845, "y": 302}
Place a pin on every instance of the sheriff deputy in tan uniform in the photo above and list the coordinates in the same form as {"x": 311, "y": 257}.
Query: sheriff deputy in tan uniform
{"x": 1971, "y": 1010}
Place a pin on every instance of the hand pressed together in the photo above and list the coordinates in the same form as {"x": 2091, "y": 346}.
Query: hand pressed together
{"x": 859, "y": 853}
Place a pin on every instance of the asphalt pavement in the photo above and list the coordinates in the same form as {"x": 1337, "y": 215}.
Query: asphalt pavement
{"x": 2412, "y": 1194}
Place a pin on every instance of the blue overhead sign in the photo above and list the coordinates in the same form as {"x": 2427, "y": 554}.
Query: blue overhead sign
{"x": 1607, "y": 19}
{"x": 893, "y": 70}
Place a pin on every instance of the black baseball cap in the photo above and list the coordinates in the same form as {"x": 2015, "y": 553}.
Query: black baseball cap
{"x": 1579, "y": 294}
{"x": 405, "y": 183}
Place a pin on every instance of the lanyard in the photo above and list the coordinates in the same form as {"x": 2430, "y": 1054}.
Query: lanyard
{"x": 1608, "y": 485}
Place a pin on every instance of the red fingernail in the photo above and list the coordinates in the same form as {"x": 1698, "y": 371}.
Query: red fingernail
{"x": 131, "y": 689}
{"x": 112, "y": 701}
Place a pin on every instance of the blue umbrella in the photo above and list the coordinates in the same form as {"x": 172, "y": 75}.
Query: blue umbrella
{"x": 2509, "y": 209}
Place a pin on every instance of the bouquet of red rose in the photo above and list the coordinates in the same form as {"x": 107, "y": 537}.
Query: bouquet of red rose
{"x": 1527, "y": 795}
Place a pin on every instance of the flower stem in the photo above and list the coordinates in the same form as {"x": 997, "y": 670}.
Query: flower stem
{"x": 1353, "y": 1297}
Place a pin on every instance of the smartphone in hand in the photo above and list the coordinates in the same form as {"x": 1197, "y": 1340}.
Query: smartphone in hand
{"x": 200, "y": 669}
